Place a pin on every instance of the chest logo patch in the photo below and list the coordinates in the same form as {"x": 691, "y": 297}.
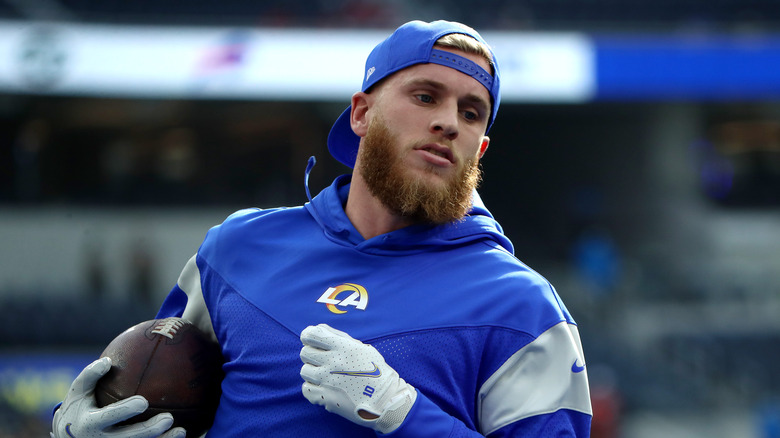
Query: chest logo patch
{"x": 338, "y": 298}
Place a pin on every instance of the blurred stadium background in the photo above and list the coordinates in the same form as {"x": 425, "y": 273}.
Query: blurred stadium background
{"x": 635, "y": 163}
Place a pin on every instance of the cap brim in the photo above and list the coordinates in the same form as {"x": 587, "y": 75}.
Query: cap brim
{"x": 342, "y": 141}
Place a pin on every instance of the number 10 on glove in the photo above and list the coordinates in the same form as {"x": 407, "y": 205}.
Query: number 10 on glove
{"x": 352, "y": 379}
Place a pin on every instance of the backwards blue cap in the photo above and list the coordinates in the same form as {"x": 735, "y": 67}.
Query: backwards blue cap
{"x": 411, "y": 44}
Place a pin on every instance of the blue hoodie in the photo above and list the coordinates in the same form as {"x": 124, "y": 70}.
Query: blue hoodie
{"x": 486, "y": 341}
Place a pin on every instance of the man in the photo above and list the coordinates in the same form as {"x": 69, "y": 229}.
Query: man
{"x": 394, "y": 288}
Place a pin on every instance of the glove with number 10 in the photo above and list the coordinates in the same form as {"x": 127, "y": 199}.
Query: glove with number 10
{"x": 353, "y": 380}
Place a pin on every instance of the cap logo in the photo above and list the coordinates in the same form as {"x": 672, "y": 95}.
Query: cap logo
{"x": 370, "y": 72}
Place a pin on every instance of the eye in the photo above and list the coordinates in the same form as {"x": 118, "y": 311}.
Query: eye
{"x": 473, "y": 114}
{"x": 424, "y": 98}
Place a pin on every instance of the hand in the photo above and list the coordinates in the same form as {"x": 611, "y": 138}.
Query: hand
{"x": 353, "y": 380}
{"x": 79, "y": 416}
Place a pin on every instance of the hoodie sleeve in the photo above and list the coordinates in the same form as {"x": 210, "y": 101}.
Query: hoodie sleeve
{"x": 426, "y": 420}
{"x": 186, "y": 300}
{"x": 540, "y": 391}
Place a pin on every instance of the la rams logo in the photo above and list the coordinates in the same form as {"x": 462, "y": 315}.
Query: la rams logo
{"x": 343, "y": 295}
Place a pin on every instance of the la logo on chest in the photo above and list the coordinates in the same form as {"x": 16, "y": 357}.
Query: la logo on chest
{"x": 339, "y": 298}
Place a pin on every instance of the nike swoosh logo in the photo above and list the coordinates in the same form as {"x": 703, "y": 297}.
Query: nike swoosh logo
{"x": 67, "y": 430}
{"x": 577, "y": 369}
{"x": 373, "y": 373}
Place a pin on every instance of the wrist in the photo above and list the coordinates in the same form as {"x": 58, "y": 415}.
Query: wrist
{"x": 397, "y": 410}
{"x": 425, "y": 416}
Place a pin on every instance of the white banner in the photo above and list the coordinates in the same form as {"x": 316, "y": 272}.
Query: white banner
{"x": 253, "y": 63}
{"x": 544, "y": 66}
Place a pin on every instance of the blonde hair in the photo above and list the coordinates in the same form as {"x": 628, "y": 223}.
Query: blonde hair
{"x": 466, "y": 44}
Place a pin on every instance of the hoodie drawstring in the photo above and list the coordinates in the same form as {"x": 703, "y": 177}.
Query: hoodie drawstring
{"x": 309, "y": 167}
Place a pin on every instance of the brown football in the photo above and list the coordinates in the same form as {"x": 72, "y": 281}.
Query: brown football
{"x": 170, "y": 362}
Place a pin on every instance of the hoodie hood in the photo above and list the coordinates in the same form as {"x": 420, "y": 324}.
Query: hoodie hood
{"x": 327, "y": 208}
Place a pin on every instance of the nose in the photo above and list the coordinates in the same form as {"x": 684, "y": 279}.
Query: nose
{"x": 445, "y": 122}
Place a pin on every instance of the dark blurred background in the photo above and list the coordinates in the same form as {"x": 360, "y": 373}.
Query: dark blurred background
{"x": 649, "y": 195}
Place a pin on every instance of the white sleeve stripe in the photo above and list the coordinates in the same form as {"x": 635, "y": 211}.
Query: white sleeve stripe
{"x": 196, "y": 311}
{"x": 540, "y": 378}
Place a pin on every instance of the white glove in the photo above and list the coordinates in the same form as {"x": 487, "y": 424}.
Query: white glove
{"x": 353, "y": 380}
{"x": 79, "y": 416}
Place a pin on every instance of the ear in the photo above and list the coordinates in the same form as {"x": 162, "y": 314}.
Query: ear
{"x": 359, "y": 116}
{"x": 484, "y": 145}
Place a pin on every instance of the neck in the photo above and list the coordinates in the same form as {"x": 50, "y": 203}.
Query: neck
{"x": 368, "y": 215}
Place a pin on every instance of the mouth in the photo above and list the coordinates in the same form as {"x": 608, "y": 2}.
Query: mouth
{"x": 438, "y": 151}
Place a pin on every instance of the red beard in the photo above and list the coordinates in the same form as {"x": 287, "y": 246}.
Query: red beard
{"x": 407, "y": 195}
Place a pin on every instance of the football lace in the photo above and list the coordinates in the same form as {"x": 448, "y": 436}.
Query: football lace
{"x": 168, "y": 327}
